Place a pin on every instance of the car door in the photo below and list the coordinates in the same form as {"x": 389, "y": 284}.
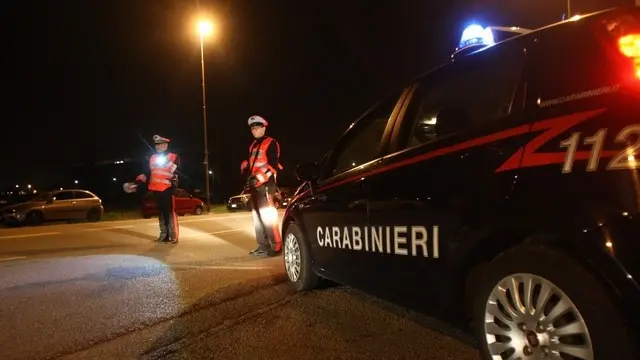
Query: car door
{"x": 60, "y": 207}
{"x": 439, "y": 189}
{"x": 83, "y": 201}
{"x": 337, "y": 209}
{"x": 182, "y": 202}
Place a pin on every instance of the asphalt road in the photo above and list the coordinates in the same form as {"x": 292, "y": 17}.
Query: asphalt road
{"x": 106, "y": 291}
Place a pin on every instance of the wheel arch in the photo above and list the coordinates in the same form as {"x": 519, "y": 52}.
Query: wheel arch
{"x": 602, "y": 267}
{"x": 295, "y": 217}
{"x": 43, "y": 217}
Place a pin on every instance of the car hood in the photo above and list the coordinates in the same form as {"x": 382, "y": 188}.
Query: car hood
{"x": 241, "y": 196}
{"x": 22, "y": 206}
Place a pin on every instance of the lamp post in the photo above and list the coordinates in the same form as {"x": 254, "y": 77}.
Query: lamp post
{"x": 205, "y": 28}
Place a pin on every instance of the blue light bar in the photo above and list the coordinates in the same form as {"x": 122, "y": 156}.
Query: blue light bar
{"x": 476, "y": 35}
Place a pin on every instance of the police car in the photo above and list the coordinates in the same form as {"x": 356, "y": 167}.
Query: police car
{"x": 500, "y": 188}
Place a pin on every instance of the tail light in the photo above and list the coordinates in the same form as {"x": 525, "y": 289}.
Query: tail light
{"x": 621, "y": 36}
{"x": 630, "y": 47}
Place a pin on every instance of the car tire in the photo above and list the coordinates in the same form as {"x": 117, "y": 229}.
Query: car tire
{"x": 34, "y": 218}
{"x": 94, "y": 215}
{"x": 588, "y": 307}
{"x": 198, "y": 210}
{"x": 296, "y": 252}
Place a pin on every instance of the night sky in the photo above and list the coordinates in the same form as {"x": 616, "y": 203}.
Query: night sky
{"x": 87, "y": 78}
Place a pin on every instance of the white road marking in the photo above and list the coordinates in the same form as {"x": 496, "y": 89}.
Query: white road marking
{"x": 28, "y": 235}
{"x": 226, "y": 231}
{"x": 211, "y": 233}
{"x": 111, "y": 228}
{"x": 193, "y": 218}
{"x": 13, "y": 258}
{"x": 215, "y": 218}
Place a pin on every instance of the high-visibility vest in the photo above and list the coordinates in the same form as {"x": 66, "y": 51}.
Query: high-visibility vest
{"x": 162, "y": 168}
{"x": 259, "y": 162}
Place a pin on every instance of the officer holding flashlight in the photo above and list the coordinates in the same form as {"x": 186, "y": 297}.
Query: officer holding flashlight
{"x": 261, "y": 169}
{"x": 162, "y": 183}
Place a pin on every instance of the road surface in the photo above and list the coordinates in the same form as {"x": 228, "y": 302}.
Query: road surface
{"x": 106, "y": 291}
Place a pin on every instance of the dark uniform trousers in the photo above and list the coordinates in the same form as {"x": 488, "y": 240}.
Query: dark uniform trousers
{"x": 265, "y": 217}
{"x": 165, "y": 202}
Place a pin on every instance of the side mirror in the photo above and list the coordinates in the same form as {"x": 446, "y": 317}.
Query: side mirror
{"x": 307, "y": 171}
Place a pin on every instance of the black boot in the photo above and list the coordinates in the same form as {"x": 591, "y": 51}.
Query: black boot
{"x": 260, "y": 253}
{"x": 255, "y": 250}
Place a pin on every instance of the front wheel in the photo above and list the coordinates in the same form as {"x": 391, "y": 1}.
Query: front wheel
{"x": 297, "y": 260}
{"x": 198, "y": 210}
{"x": 94, "y": 215}
{"x": 537, "y": 303}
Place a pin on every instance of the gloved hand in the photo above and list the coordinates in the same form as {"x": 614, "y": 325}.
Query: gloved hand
{"x": 174, "y": 180}
{"x": 142, "y": 178}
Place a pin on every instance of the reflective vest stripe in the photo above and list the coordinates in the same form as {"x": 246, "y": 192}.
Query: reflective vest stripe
{"x": 162, "y": 172}
{"x": 258, "y": 159}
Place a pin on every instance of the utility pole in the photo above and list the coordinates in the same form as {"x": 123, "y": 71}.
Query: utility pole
{"x": 204, "y": 123}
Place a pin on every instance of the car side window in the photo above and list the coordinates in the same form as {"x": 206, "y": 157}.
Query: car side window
{"x": 182, "y": 194}
{"x": 361, "y": 143}
{"x": 584, "y": 67}
{"x": 466, "y": 96}
{"x": 63, "y": 195}
{"x": 82, "y": 195}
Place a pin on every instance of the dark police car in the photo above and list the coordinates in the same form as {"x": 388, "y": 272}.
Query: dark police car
{"x": 502, "y": 188}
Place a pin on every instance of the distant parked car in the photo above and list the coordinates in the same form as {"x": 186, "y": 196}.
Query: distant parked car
{"x": 57, "y": 205}
{"x": 185, "y": 203}
{"x": 241, "y": 201}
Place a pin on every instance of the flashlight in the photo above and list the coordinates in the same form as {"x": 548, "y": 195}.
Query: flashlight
{"x": 161, "y": 160}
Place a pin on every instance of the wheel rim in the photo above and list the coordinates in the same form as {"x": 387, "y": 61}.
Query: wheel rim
{"x": 292, "y": 257}
{"x": 528, "y": 317}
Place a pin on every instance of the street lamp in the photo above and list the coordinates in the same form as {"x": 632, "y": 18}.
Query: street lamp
{"x": 205, "y": 29}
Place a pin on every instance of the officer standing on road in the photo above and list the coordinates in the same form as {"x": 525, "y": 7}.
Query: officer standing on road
{"x": 261, "y": 169}
{"x": 162, "y": 183}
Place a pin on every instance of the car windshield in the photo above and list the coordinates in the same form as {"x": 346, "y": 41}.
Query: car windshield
{"x": 44, "y": 196}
